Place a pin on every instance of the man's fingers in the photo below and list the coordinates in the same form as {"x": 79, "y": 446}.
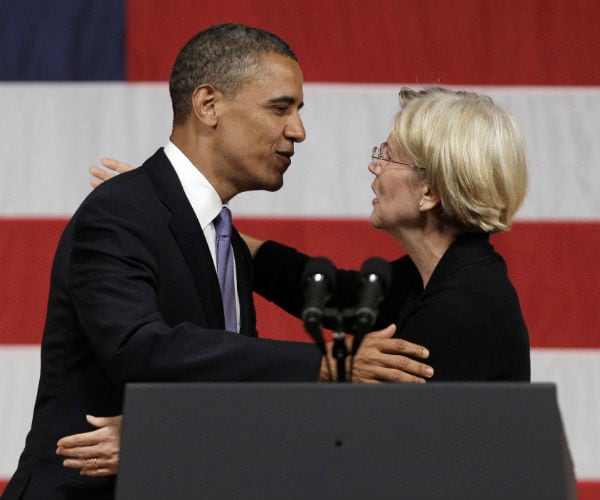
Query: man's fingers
{"x": 386, "y": 333}
{"x": 381, "y": 339}
{"x": 400, "y": 346}
{"x": 383, "y": 374}
{"x": 411, "y": 368}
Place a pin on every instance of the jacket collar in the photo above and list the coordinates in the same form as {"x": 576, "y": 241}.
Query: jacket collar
{"x": 189, "y": 236}
{"x": 187, "y": 232}
{"x": 468, "y": 248}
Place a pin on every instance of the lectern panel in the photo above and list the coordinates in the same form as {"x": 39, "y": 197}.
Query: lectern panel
{"x": 343, "y": 441}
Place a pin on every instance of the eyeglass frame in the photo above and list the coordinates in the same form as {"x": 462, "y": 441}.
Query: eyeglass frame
{"x": 377, "y": 155}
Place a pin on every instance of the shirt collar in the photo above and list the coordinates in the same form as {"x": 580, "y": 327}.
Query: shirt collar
{"x": 205, "y": 201}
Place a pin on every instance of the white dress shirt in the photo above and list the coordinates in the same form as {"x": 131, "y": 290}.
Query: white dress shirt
{"x": 205, "y": 202}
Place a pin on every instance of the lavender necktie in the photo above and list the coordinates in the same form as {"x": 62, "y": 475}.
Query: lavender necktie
{"x": 225, "y": 267}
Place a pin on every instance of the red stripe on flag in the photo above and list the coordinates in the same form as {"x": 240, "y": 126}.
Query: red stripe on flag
{"x": 513, "y": 42}
{"x": 551, "y": 265}
{"x": 26, "y": 252}
{"x": 586, "y": 490}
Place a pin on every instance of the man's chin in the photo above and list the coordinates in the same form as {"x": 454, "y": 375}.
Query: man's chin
{"x": 274, "y": 184}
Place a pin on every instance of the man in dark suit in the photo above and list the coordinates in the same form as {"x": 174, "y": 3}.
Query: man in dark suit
{"x": 134, "y": 293}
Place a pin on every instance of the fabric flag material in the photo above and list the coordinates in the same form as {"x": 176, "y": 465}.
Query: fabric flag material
{"x": 84, "y": 80}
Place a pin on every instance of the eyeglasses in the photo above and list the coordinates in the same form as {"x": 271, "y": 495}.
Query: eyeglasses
{"x": 378, "y": 154}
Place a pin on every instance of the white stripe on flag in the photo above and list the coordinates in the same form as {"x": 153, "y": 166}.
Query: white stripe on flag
{"x": 19, "y": 375}
{"x": 55, "y": 131}
{"x": 576, "y": 373}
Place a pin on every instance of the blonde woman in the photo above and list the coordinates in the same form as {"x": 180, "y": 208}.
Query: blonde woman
{"x": 451, "y": 172}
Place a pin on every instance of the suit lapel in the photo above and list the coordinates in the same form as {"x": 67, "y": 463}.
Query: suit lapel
{"x": 189, "y": 236}
{"x": 243, "y": 269}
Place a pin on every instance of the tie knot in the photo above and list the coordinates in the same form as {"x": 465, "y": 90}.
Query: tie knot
{"x": 222, "y": 223}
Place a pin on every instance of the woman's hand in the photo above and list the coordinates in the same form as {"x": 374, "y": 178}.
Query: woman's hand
{"x": 96, "y": 453}
{"x": 99, "y": 175}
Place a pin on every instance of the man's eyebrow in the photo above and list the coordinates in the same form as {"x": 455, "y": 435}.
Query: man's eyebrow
{"x": 284, "y": 100}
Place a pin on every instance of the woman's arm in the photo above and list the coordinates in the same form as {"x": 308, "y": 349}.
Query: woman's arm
{"x": 253, "y": 244}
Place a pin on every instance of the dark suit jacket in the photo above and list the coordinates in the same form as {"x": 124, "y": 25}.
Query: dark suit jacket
{"x": 135, "y": 298}
{"x": 468, "y": 316}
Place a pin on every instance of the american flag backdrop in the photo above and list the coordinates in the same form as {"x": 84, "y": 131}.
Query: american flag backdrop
{"x": 85, "y": 79}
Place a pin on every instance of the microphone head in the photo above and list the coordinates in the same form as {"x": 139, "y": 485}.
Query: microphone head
{"x": 318, "y": 279}
{"x": 319, "y": 266}
{"x": 379, "y": 269}
{"x": 372, "y": 283}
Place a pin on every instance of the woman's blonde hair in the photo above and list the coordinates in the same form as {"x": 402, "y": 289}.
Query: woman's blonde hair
{"x": 471, "y": 151}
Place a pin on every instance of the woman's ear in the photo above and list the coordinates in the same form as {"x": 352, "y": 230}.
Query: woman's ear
{"x": 204, "y": 98}
{"x": 428, "y": 199}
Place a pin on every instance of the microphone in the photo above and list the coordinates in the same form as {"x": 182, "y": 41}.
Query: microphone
{"x": 373, "y": 282}
{"x": 318, "y": 279}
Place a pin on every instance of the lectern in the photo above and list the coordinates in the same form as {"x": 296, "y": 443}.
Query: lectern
{"x": 343, "y": 441}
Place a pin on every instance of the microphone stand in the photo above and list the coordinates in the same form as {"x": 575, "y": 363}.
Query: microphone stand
{"x": 340, "y": 350}
{"x": 340, "y": 353}
{"x": 319, "y": 275}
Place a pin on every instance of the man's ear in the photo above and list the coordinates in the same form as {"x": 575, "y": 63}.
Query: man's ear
{"x": 204, "y": 98}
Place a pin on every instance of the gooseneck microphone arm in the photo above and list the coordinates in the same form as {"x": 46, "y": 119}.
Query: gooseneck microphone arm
{"x": 372, "y": 285}
{"x": 373, "y": 282}
{"x": 318, "y": 282}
